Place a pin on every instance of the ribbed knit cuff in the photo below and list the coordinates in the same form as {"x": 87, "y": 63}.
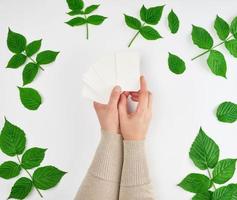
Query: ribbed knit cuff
{"x": 135, "y": 170}
{"x": 107, "y": 163}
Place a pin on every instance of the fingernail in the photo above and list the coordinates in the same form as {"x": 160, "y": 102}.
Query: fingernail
{"x": 117, "y": 88}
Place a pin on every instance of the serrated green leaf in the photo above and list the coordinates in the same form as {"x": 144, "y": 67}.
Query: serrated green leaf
{"x": 217, "y": 64}
{"x": 16, "y": 61}
{"x": 204, "y": 151}
{"x": 30, "y": 98}
{"x": 21, "y": 189}
{"x": 151, "y": 15}
{"x": 222, "y": 28}
{"x": 227, "y": 112}
{"x": 29, "y": 73}
{"x": 195, "y": 183}
{"x": 16, "y": 42}
{"x": 226, "y": 193}
{"x": 91, "y": 8}
{"x": 203, "y": 196}
{"x": 9, "y": 170}
{"x": 32, "y": 158}
{"x": 224, "y": 171}
{"x": 96, "y": 19}
{"x": 12, "y": 139}
{"x": 75, "y": 4}
{"x": 132, "y": 22}
{"x": 173, "y": 22}
{"x": 76, "y": 12}
{"x": 47, "y": 177}
{"x": 46, "y": 57}
{"x": 233, "y": 27}
{"x": 201, "y": 38}
{"x": 176, "y": 64}
{"x": 231, "y": 46}
{"x": 149, "y": 33}
{"x": 77, "y": 21}
{"x": 33, "y": 47}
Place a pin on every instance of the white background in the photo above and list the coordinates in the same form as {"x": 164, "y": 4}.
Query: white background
{"x": 66, "y": 123}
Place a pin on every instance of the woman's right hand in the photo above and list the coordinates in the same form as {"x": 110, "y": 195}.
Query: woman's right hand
{"x": 134, "y": 125}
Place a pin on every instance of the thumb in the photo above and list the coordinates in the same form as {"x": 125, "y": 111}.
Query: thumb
{"x": 123, "y": 106}
{"x": 114, "y": 97}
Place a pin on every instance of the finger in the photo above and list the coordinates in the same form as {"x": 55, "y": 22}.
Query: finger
{"x": 150, "y": 100}
{"x": 126, "y": 93}
{"x": 115, "y": 95}
{"x": 135, "y": 99}
{"x": 143, "y": 95}
{"x": 136, "y": 94}
{"x": 123, "y": 112}
{"x": 143, "y": 84}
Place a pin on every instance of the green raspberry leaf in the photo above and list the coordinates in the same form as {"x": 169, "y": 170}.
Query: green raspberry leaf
{"x": 9, "y": 170}
{"x": 77, "y": 21}
{"x": 173, "y": 22}
{"x": 226, "y": 193}
{"x": 32, "y": 158}
{"x": 96, "y": 19}
{"x": 227, "y": 112}
{"x": 16, "y": 61}
{"x": 224, "y": 171}
{"x": 75, "y": 4}
{"x": 149, "y": 33}
{"x": 201, "y": 38}
{"x": 33, "y": 47}
{"x": 195, "y": 183}
{"x": 132, "y": 22}
{"x": 47, "y": 177}
{"x": 217, "y": 64}
{"x": 231, "y": 46}
{"x": 233, "y": 27}
{"x": 21, "y": 189}
{"x": 16, "y": 42}
{"x": 75, "y": 12}
{"x": 30, "y": 98}
{"x": 151, "y": 15}
{"x": 203, "y": 196}
{"x": 46, "y": 57}
{"x": 12, "y": 139}
{"x": 204, "y": 151}
{"x": 176, "y": 64}
{"x": 90, "y": 9}
{"x": 222, "y": 28}
{"x": 29, "y": 73}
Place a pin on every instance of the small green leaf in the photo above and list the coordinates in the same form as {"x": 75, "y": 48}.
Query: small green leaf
{"x": 222, "y": 28}
{"x": 224, "y": 171}
{"x": 77, "y": 21}
{"x": 30, "y": 98}
{"x": 233, "y": 27}
{"x": 32, "y": 158}
{"x": 47, "y": 177}
{"x": 176, "y": 64}
{"x": 204, "y": 151}
{"x": 16, "y": 42}
{"x": 96, "y": 19}
{"x": 151, "y": 15}
{"x": 46, "y": 57}
{"x": 227, "y": 112}
{"x": 132, "y": 22}
{"x": 195, "y": 183}
{"x": 201, "y": 38}
{"x": 173, "y": 22}
{"x": 231, "y": 45}
{"x": 21, "y": 189}
{"x": 203, "y": 196}
{"x": 217, "y": 64}
{"x": 226, "y": 193}
{"x": 12, "y": 139}
{"x": 33, "y": 47}
{"x": 16, "y": 61}
{"x": 76, "y": 12}
{"x": 75, "y": 4}
{"x": 29, "y": 73}
{"x": 149, "y": 33}
{"x": 90, "y": 9}
{"x": 9, "y": 170}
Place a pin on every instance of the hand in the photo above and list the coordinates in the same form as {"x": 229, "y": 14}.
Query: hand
{"x": 108, "y": 113}
{"x": 134, "y": 125}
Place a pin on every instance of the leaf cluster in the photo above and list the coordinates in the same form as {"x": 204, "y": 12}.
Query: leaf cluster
{"x": 13, "y": 144}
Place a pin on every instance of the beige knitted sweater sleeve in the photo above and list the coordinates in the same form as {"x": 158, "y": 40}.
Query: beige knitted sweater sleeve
{"x": 114, "y": 175}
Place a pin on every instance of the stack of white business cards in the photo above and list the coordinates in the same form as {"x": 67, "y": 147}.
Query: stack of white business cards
{"x": 122, "y": 68}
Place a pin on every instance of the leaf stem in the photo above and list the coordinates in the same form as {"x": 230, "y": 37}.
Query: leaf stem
{"x": 34, "y": 62}
{"x": 87, "y": 28}
{"x": 135, "y": 36}
{"x": 203, "y": 53}
{"x": 210, "y": 176}
{"x": 30, "y": 177}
